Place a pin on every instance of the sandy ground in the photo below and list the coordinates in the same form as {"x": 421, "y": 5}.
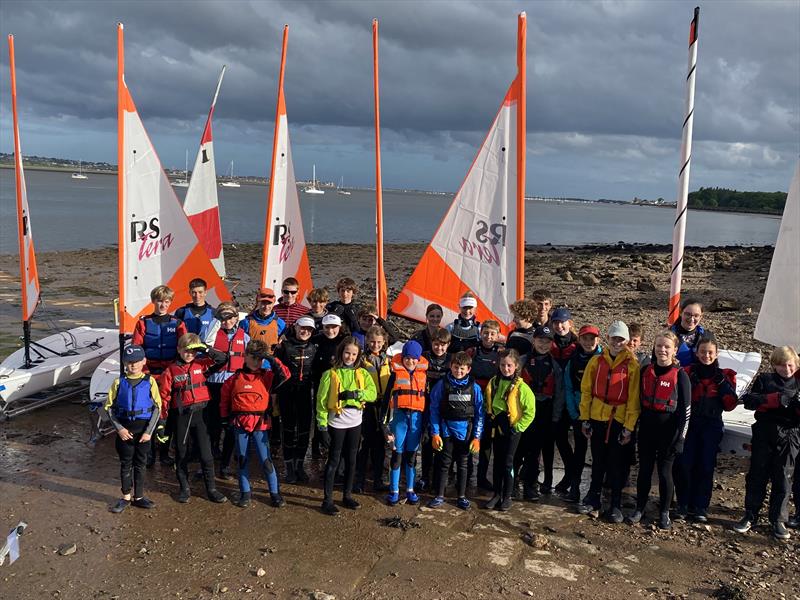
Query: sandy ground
{"x": 62, "y": 488}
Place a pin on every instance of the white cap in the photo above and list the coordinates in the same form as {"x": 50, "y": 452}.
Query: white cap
{"x": 618, "y": 329}
{"x": 306, "y": 322}
{"x": 468, "y": 301}
{"x": 331, "y": 320}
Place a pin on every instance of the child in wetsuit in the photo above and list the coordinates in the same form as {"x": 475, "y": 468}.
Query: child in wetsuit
{"x": 456, "y": 425}
{"x": 438, "y": 366}
{"x": 133, "y": 407}
{"x": 465, "y": 330}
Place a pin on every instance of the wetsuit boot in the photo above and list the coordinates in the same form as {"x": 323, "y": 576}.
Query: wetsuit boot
{"x": 300, "y": 471}
{"x": 212, "y": 492}
{"x": 183, "y": 492}
{"x": 291, "y": 474}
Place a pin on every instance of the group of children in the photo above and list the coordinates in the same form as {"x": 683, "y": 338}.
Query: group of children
{"x": 460, "y": 393}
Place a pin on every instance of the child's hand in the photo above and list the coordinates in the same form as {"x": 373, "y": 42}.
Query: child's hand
{"x": 145, "y": 437}
{"x": 124, "y": 435}
{"x": 390, "y": 441}
{"x": 586, "y": 429}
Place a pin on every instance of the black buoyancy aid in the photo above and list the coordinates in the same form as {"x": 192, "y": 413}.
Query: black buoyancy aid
{"x": 438, "y": 366}
{"x": 484, "y": 362}
{"x": 578, "y": 362}
{"x": 458, "y": 400}
{"x": 197, "y": 322}
{"x": 299, "y": 358}
{"x": 542, "y": 379}
{"x": 660, "y": 392}
{"x": 233, "y": 346}
{"x": 462, "y": 332}
{"x": 134, "y": 401}
{"x": 161, "y": 339}
{"x": 772, "y": 383}
{"x": 564, "y": 347}
{"x": 520, "y": 340}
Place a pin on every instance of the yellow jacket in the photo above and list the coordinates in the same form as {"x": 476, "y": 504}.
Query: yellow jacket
{"x": 596, "y": 408}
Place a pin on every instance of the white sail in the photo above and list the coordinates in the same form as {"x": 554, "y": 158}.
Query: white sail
{"x": 779, "y": 319}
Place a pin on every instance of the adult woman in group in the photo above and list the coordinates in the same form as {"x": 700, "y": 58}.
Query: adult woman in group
{"x": 689, "y": 330}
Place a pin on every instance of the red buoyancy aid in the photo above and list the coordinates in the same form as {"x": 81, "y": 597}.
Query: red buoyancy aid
{"x": 660, "y": 393}
{"x": 611, "y": 385}
{"x": 250, "y": 393}
{"x": 188, "y": 384}
{"x": 234, "y": 348}
{"x": 409, "y": 388}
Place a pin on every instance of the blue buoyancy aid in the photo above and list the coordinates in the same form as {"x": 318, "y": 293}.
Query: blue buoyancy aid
{"x": 133, "y": 400}
{"x": 161, "y": 339}
{"x": 196, "y": 323}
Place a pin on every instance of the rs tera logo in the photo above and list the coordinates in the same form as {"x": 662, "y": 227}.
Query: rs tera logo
{"x": 489, "y": 237}
{"x": 148, "y": 235}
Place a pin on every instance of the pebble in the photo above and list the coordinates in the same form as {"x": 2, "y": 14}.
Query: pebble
{"x": 318, "y": 595}
{"x": 67, "y": 549}
{"x": 260, "y": 572}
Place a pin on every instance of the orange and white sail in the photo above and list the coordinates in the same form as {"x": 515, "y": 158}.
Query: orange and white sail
{"x": 157, "y": 245}
{"x": 480, "y": 243}
{"x": 27, "y": 258}
{"x": 779, "y": 318}
{"x": 285, "y": 253}
{"x": 201, "y": 204}
{"x": 381, "y": 294}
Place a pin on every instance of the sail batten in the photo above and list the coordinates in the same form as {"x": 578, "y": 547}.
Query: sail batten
{"x": 285, "y": 254}
{"x": 479, "y": 245}
{"x": 29, "y": 275}
{"x": 157, "y": 245}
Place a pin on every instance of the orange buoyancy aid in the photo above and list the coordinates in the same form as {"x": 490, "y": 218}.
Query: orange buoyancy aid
{"x": 234, "y": 347}
{"x": 266, "y": 333}
{"x": 250, "y": 395}
{"x": 660, "y": 393}
{"x": 409, "y": 388}
{"x": 611, "y": 385}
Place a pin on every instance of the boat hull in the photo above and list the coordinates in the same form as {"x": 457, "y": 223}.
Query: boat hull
{"x": 738, "y": 422}
{"x": 87, "y": 347}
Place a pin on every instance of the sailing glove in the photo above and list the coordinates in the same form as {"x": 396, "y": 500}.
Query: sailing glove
{"x": 324, "y": 438}
{"x": 436, "y": 442}
{"x": 161, "y": 432}
{"x": 474, "y": 446}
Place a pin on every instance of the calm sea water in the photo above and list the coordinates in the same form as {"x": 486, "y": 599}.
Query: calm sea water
{"x": 69, "y": 214}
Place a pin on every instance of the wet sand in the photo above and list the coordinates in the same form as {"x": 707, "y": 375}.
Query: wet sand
{"x": 62, "y": 488}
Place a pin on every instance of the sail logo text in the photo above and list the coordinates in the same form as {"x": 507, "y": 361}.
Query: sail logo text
{"x": 487, "y": 240}
{"x": 148, "y": 235}
{"x": 282, "y": 235}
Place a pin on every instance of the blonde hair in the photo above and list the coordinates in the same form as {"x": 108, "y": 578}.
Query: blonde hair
{"x": 161, "y": 292}
{"x": 782, "y": 355}
{"x": 491, "y": 325}
{"x": 187, "y": 339}
{"x": 668, "y": 335}
{"x": 318, "y": 295}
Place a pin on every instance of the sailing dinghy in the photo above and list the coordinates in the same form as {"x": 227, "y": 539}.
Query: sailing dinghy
{"x": 55, "y": 359}
{"x": 778, "y": 321}
{"x": 480, "y": 243}
{"x": 285, "y": 253}
{"x": 157, "y": 244}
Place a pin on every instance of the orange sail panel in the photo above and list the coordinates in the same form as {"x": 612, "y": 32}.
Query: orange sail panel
{"x": 201, "y": 204}
{"x": 381, "y": 295}
{"x": 477, "y": 244}
{"x": 285, "y": 253}
{"x": 157, "y": 243}
{"x": 27, "y": 258}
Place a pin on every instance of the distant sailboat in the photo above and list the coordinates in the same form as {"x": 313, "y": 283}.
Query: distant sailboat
{"x": 56, "y": 359}
{"x": 313, "y": 189}
{"x": 480, "y": 243}
{"x": 340, "y": 189}
{"x": 231, "y": 183}
{"x": 183, "y": 183}
{"x": 79, "y": 174}
{"x": 285, "y": 254}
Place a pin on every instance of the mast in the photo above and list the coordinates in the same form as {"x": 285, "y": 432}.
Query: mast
{"x": 679, "y": 228}
{"x": 121, "y": 98}
{"x": 29, "y": 280}
{"x": 382, "y": 301}
{"x": 280, "y": 103}
{"x": 522, "y": 30}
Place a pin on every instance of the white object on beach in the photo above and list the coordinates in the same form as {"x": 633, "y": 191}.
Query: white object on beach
{"x": 313, "y": 189}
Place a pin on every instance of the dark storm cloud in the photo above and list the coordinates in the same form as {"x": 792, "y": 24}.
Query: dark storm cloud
{"x": 599, "y": 73}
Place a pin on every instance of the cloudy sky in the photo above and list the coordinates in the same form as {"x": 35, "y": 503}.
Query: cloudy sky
{"x": 606, "y": 87}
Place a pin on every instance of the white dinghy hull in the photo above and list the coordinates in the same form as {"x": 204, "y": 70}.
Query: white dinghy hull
{"x": 70, "y": 355}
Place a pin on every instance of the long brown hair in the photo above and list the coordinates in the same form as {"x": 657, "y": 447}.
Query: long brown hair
{"x": 338, "y": 363}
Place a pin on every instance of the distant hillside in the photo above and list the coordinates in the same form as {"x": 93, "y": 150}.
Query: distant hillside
{"x": 725, "y": 199}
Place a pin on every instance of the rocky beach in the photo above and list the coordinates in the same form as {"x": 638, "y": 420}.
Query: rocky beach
{"x": 74, "y": 548}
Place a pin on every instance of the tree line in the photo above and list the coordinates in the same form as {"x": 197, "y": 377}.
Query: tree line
{"x": 726, "y": 199}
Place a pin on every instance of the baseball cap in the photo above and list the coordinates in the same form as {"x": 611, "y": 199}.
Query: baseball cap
{"x": 561, "y": 314}
{"x": 133, "y": 354}
{"x": 331, "y": 320}
{"x": 468, "y": 301}
{"x": 412, "y": 349}
{"x": 589, "y": 330}
{"x": 543, "y": 331}
{"x": 618, "y": 329}
{"x": 266, "y": 293}
{"x": 305, "y": 322}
